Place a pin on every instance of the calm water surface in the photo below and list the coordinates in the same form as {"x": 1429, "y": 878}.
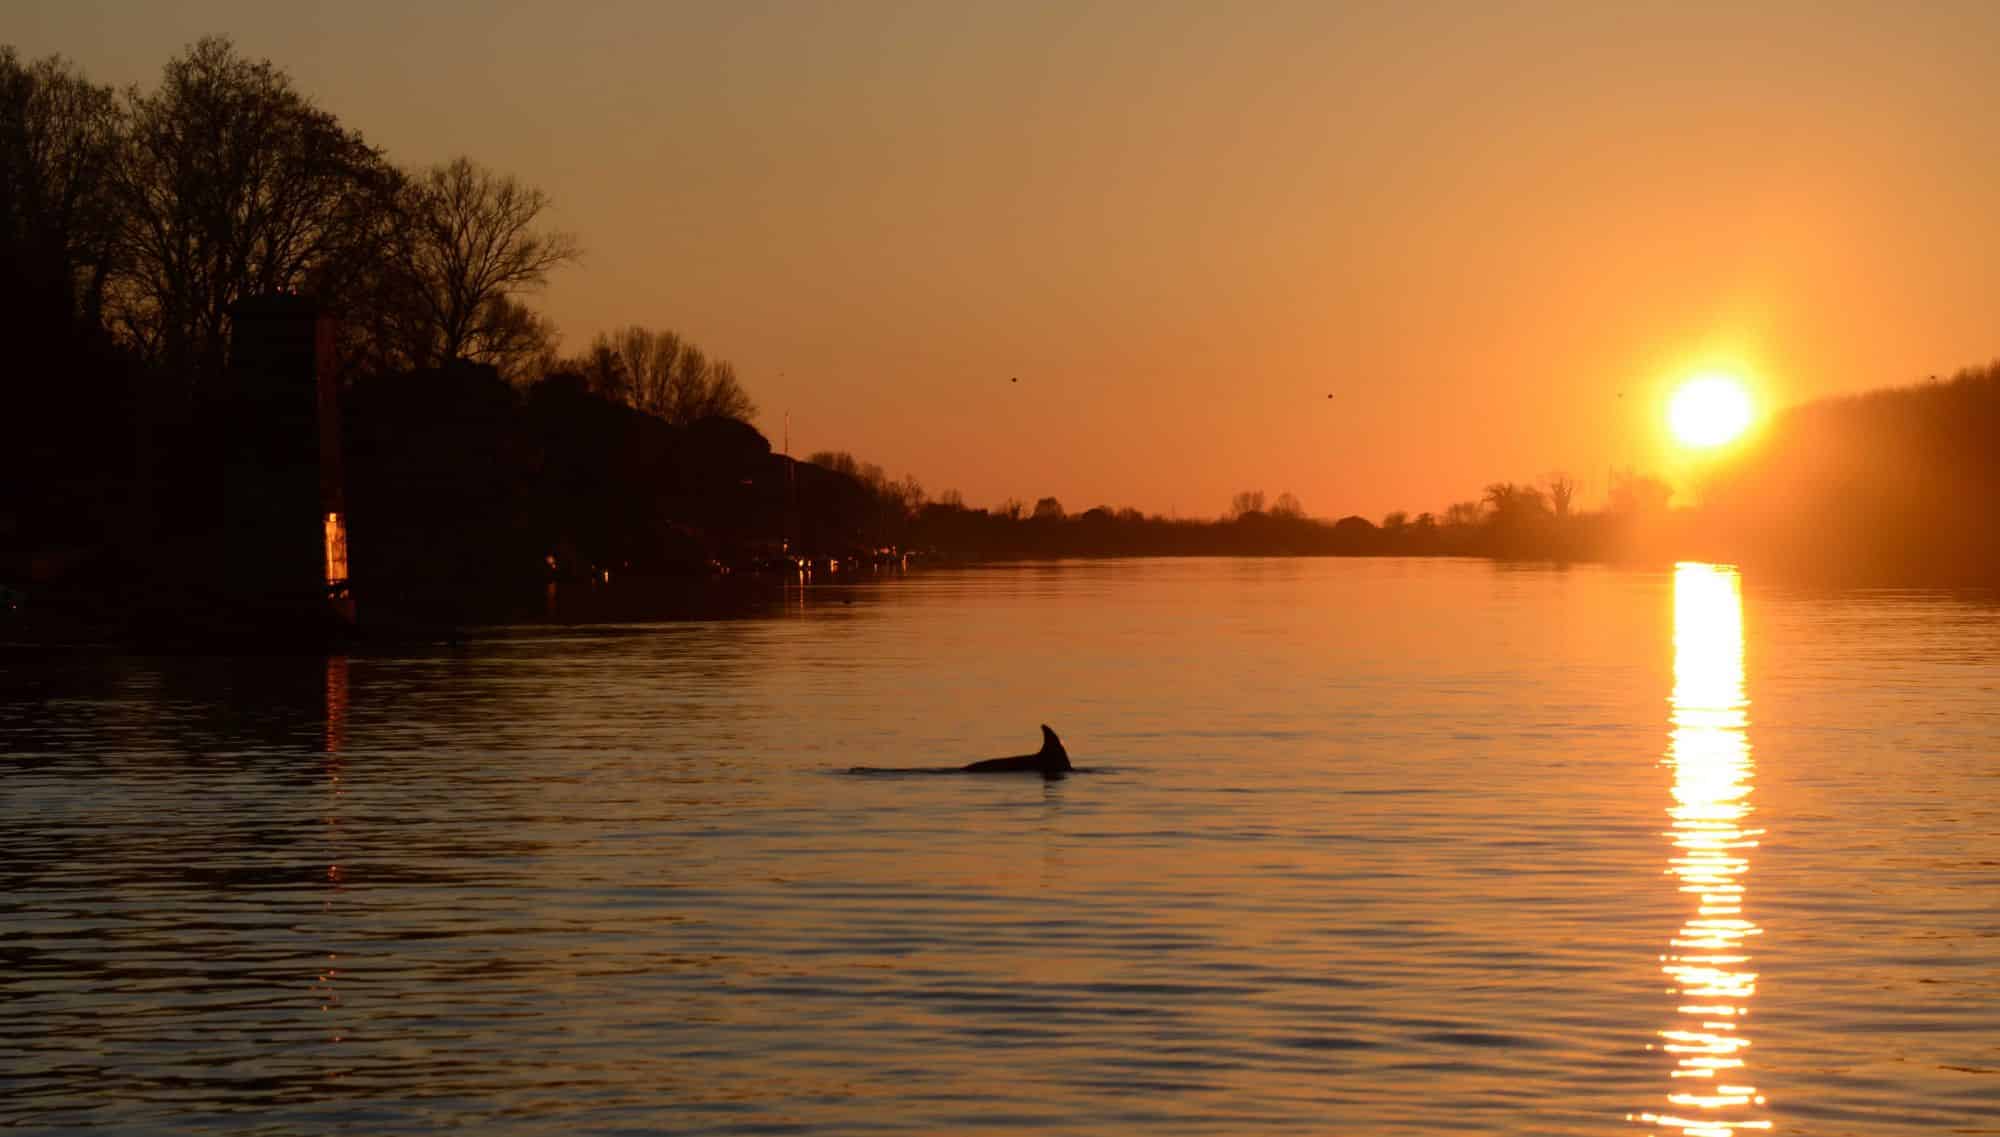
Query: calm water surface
{"x": 1371, "y": 846}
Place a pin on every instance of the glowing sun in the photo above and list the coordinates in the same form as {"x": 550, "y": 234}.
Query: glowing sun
{"x": 1709, "y": 410}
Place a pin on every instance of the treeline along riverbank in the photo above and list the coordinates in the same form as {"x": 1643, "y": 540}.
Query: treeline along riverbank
{"x": 477, "y": 464}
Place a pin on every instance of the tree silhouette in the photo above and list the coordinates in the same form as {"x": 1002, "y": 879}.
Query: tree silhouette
{"x": 662, "y": 374}
{"x": 466, "y": 245}
{"x": 1512, "y": 503}
{"x": 233, "y": 184}
{"x": 1561, "y": 490}
{"x": 517, "y": 341}
{"x": 59, "y": 140}
{"x": 1246, "y": 503}
{"x": 839, "y": 461}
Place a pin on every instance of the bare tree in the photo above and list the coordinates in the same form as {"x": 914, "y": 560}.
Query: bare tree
{"x": 644, "y": 362}
{"x": 601, "y": 371}
{"x": 1288, "y": 506}
{"x": 233, "y": 184}
{"x": 518, "y": 341}
{"x": 1246, "y": 502}
{"x": 468, "y": 245}
{"x": 1047, "y": 509}
{"x": 1562, "y": 491}
{"x": 662, "y": 374}
{"x": 839, "y": 461}
{"x": 716, "y": 394}
{"x": 1395, "y": 520}
{"x": 59, "y": 141}
{"x": 1463, "y": 513}
{"x": 905, "y": 497}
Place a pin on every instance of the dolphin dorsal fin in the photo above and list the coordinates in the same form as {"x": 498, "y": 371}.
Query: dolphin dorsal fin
{"x": 1053, "y": 760}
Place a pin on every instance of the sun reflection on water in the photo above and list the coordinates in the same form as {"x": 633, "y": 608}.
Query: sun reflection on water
{"x": 1709, "y": 960}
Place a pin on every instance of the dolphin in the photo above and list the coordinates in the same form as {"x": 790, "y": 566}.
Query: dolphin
{"x": 1051, "y": 761}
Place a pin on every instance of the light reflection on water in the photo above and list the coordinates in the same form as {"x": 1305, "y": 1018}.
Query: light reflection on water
{"x": 1709, "y": 960}
{"x": 336, "y": 709}
{"x": 336, "y": 741}
{"x": 1376, "y": 849}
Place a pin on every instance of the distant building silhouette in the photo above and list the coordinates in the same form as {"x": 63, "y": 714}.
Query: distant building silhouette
{"x": 284, "y": 542}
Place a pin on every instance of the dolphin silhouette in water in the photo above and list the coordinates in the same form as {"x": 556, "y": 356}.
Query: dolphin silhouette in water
{"x": 1051, "y": 761}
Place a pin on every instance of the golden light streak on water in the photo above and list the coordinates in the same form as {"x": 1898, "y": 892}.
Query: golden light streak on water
{"x": 336, "y": 712}
{"x": 1709, "y": 961}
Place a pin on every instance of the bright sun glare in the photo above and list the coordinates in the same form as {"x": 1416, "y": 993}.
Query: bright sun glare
{"x": 1709, "y": 410}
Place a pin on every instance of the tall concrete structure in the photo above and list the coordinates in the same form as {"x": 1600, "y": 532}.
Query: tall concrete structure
{"x": 284, "y": 537}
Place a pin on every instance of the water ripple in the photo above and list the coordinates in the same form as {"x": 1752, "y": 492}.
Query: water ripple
{"x": 1377, "y": 849}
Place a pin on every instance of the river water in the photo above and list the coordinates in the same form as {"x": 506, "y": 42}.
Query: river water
{"x": 1367, "y": 846}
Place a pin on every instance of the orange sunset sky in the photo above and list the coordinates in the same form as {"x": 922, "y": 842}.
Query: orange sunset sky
{"x": 1183, "y": 225}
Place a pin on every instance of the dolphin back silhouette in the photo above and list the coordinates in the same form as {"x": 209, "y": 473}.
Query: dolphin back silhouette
{"x": 1051, "y": 761}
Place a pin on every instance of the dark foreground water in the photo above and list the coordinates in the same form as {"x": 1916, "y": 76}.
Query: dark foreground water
{"x": 1373, "y": 847}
